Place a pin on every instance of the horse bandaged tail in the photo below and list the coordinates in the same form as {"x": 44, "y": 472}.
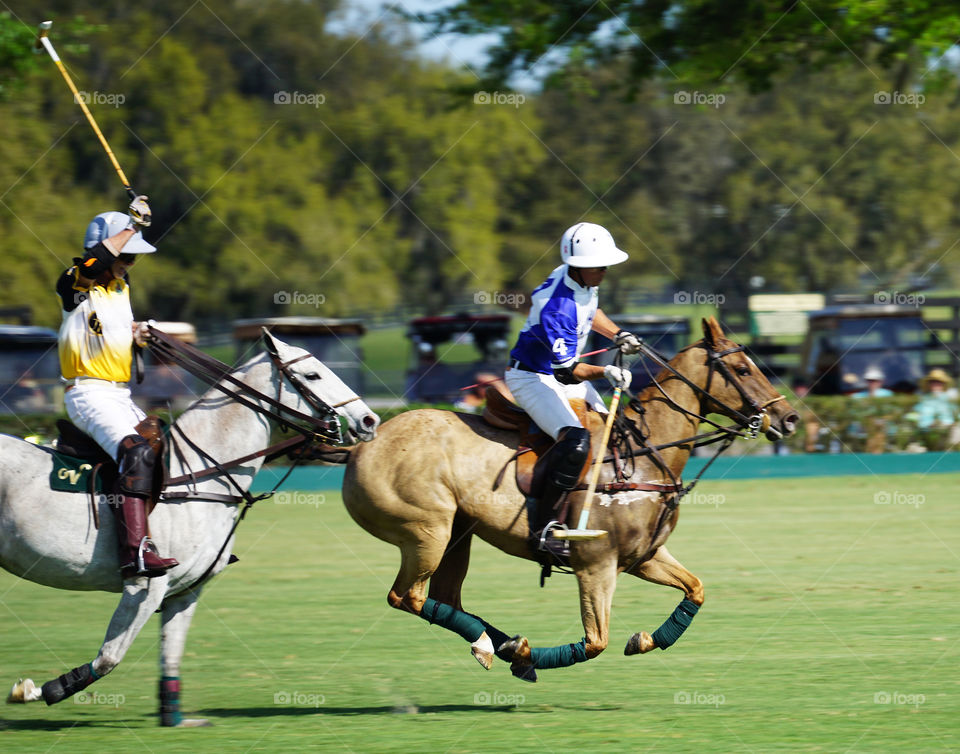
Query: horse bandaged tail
{"x": 674, "y": 626}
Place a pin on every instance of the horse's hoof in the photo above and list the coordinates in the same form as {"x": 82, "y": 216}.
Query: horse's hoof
{"x": 482, "y": 650}
{"x": 639, "y": 644}
{"x": 23, "y": 691}
{"x": 518, "y": 648}
{"x": 196, "y": 722}
{"x": 524, "y": 672}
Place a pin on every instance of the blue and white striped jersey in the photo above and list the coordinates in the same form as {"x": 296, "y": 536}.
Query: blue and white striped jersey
{"x": 561, "y": 315}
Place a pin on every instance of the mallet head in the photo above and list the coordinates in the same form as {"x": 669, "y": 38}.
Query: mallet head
{"x": 42, "y": 30}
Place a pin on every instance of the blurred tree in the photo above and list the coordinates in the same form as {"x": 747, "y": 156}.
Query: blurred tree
{"x": 700, "y": 41}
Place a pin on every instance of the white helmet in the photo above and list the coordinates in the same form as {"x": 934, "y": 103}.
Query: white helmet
{"x": 589, "y": 245}
{"x": 108, "y": 224}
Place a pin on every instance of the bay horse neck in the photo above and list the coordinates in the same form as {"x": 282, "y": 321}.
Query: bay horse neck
{"x": 225, "y": 428}
{"x": 665, "y": 421}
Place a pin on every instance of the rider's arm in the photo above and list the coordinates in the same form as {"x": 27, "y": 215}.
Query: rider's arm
{"x": 604, "y": 325}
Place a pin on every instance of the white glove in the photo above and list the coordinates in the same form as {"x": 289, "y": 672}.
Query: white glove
{"x": 627, "y": 342}
{"x": 140, "y": 214}
{"x": 618, "y": 376}
{"x": 141, "y": 331}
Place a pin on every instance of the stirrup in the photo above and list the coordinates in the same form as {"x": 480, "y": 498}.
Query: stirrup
{"x": 144, "y": 544}
{"x": 549, "y": 542}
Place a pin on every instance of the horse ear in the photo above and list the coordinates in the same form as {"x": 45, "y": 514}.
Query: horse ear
{"x": 712, "y": 332}
{"x": 270, "y": 343}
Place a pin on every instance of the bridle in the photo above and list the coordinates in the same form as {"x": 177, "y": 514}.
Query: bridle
{"x": 750, "y": 426}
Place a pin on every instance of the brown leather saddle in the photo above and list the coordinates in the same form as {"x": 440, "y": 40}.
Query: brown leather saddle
{"x": 532, "y": 454}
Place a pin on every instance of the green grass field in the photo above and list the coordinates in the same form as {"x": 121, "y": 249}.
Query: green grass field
{"x": 831, "y": 624}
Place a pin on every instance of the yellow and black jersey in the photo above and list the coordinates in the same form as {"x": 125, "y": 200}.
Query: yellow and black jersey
{"x": 96, "y": 335}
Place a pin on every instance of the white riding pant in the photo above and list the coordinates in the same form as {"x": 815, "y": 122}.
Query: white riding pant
{"x": 105, "y": 412}
{"x": 547, "y": 400}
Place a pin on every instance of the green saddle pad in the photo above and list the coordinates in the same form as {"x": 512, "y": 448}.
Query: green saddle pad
{"x": 71, "y": 474}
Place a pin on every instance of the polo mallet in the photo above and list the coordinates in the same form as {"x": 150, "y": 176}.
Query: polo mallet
{"x": 43, "y": 41}
{"x": 582, "y": 532}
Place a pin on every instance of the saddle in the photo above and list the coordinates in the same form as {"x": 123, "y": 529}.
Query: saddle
{"x": 532, "y": 454}
{"x": 78, "y": 445}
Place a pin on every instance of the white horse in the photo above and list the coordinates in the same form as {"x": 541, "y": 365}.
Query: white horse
{"x": 50, "y": 537}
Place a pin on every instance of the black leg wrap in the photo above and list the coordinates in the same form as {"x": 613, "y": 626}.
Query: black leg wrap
{"x": 68, "y": 684}
{"x": 170, "y": 715}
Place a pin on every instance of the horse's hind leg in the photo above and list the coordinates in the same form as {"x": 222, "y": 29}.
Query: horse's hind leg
{"x": 176, "y": 614}
{"x": 137, "y": 604}
{"x": 664, "y": 569}
{"x": 419, "y": 559}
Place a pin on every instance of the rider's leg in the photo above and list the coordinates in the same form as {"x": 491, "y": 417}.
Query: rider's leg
{"x": 138, "y": 554}
{"x": 565, "y": 461}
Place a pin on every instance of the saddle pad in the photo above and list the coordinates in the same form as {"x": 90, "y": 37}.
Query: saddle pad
{"x": 71, "y": 474}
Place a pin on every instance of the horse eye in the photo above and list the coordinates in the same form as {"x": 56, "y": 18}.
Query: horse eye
{"x": 743, "y": 371}
{"x": 312, "y": 376}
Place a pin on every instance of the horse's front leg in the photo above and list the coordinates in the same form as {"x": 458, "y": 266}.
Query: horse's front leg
{"x": 664, "y": 569}
{"x": 597, "y": 583}
{"x": 176, "y": 614}
{"x": 139, "y": 601}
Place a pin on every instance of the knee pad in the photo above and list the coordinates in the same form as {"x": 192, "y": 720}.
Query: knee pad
{"x": 572, "y": 451}
{"x": 136, "y": 460}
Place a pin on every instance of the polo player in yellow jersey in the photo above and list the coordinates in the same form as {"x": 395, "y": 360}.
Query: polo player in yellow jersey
{"x": 96, "y": 348}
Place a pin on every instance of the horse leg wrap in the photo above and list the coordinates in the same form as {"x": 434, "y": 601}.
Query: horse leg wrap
{"x": 68, "y": 684}
{"x": 674, "y": 626}
{"x": 497, "y": 636}
{"x": 560, "y": 657}
{"x": 452, "y": 619}
{"x": 170, "y": 714}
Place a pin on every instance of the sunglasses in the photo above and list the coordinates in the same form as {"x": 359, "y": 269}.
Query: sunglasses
{"x": 127, "y": 258}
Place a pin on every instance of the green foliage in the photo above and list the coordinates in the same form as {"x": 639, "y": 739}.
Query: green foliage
{"x": 699, "y": 41}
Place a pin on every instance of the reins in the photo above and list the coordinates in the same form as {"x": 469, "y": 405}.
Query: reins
{"x": 312, "y": 430}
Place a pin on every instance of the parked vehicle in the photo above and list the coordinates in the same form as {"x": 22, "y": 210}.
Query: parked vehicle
{"x": 29, "y": 370}
{"x": 335, "y": 342}
{"x": 452, "y": 351}
{"x": 842, "y": 342}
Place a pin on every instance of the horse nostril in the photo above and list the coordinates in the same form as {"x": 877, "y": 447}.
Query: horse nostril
{"x": 790, "y": 421}
{"x": 369, "y": 421}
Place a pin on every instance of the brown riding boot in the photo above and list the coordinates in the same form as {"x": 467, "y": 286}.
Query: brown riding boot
{"x": 138, "y": 555}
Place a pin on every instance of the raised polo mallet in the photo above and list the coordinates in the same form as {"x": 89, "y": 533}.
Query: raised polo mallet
{"x": 582, "y": 532}
{"x": 43, "y": 41}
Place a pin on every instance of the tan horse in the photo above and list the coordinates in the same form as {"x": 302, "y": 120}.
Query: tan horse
{"x": 425, "y": 484}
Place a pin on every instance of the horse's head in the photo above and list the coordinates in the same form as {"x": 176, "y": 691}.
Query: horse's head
{"x": 737, "y": 389}
{"x": 309, "y": 386}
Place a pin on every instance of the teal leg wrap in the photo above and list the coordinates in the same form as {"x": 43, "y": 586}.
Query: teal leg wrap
{"x": 560, "y": 657}
{"x": 452, "y": 619}
{"x": 497, "y": 636}
{"x": 674, "y": 626}
{"x": 170, "y": 714}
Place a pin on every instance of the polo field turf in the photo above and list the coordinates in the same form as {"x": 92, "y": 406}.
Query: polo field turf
{"x": 830, "y": 624}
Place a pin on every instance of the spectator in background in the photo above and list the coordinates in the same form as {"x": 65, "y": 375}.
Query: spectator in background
{"x": 935, "y": 408}
{"x": 875, "y": 389}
